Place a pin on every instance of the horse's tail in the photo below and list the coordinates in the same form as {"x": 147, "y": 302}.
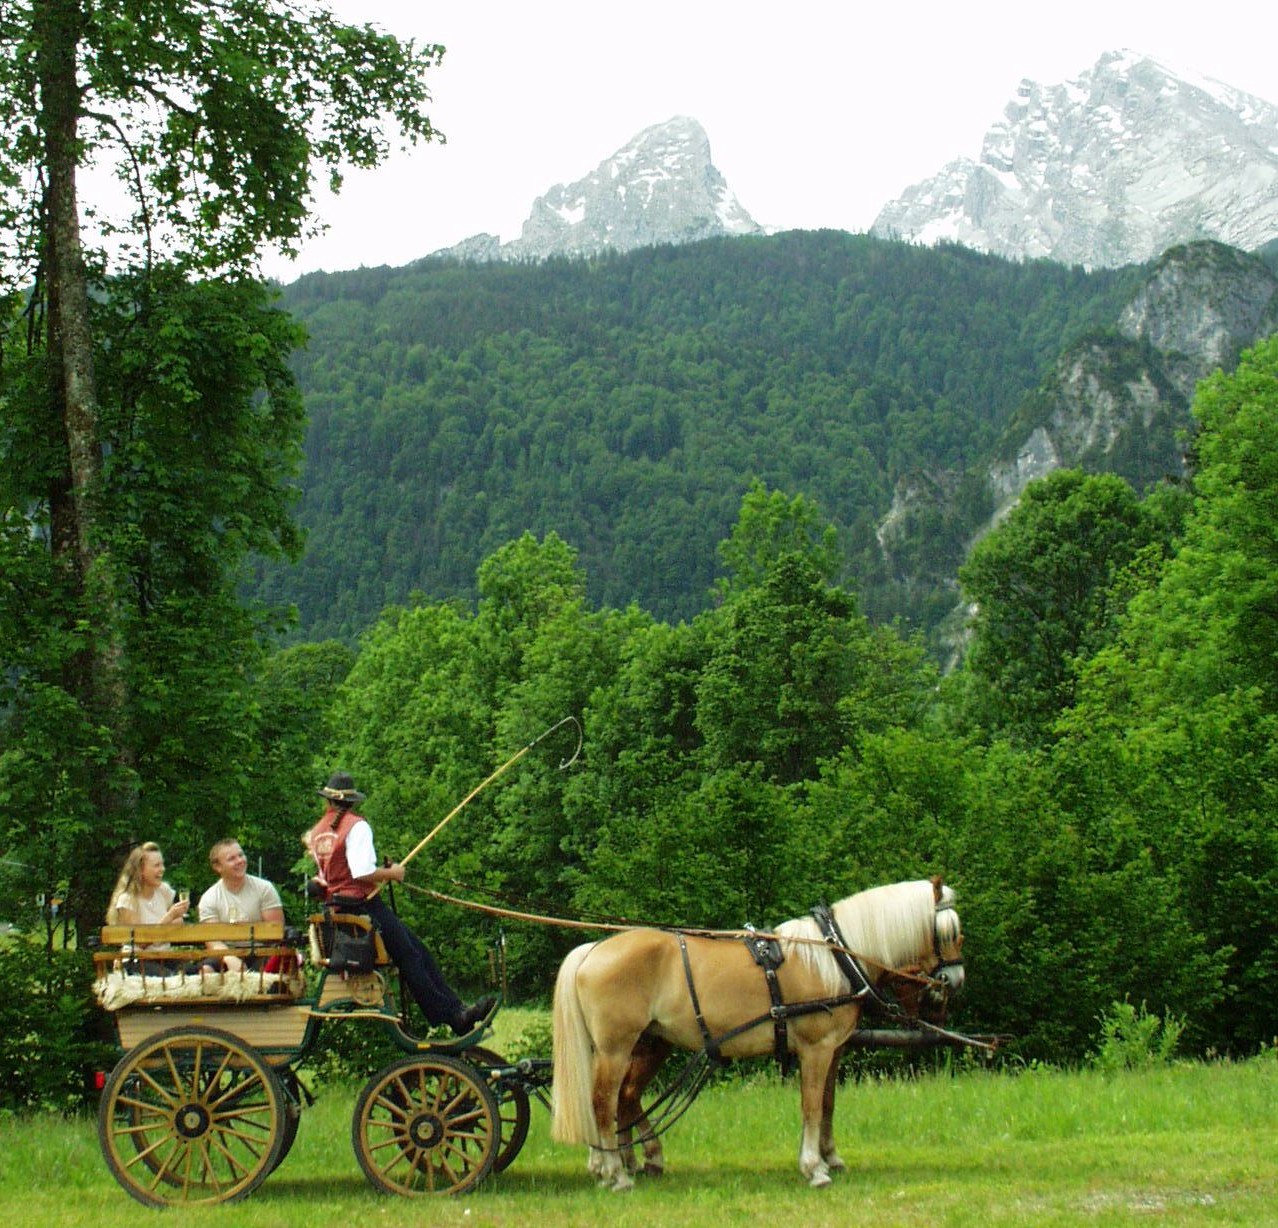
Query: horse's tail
{"x": 574, "y": 1052}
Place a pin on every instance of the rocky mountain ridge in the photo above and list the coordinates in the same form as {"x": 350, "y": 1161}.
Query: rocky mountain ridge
{"x": 1200, "y": 307}
{"x": 1112, "y": 168}
{"x": 661, "y": 187}
{"x": 1117, "y": 401}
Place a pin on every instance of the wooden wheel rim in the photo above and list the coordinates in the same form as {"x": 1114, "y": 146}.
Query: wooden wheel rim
{"x": 191, "y": 1116}
{"x": 426, "y": 1125}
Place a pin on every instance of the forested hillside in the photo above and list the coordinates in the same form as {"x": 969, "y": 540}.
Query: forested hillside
{"x": 626, "y": 404}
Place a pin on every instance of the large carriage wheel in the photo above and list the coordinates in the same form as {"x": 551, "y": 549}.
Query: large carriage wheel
{"x": 191, "y": 1115}
{"x": 426, "y": 1125}
{"x": 513, "y": 1107}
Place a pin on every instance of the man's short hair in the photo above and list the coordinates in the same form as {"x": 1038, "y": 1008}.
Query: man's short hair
{"x": 217, "y": 849}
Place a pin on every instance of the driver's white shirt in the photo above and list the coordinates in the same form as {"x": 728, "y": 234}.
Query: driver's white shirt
{"x": 361, "y": 856}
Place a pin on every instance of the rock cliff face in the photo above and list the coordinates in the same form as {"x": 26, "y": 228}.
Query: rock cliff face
{"x": 1115, "y": 402}
{"x": 660, "y": 188}
{"x": 1200, "y": 308}
{"x": 1110, "y": 169}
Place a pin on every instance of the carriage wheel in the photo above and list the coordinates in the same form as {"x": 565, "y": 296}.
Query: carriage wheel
{"x": 426, "y": 1125}
{"x": 513, "y": 1108}
{"x": 191, "y": 1116}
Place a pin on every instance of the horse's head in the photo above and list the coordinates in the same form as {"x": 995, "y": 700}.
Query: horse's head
{"x": 945, "y": 971}
{"x": 910, "y": 934}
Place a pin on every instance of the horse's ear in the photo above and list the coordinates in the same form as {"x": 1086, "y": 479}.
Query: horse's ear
{"x": 937, "y": 883}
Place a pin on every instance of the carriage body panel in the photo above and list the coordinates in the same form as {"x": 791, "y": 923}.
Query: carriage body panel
{"x": 279, "y": 1033}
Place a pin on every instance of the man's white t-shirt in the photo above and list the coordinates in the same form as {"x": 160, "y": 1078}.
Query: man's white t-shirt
{"x": 218, "y": 904}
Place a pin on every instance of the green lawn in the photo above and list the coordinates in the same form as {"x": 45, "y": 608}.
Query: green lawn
{"x": 1191, "y": 1144}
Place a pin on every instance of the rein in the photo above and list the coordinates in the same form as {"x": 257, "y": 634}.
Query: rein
{"x": 618, "y": 927}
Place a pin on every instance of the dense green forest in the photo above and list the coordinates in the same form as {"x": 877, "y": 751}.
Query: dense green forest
{"x": 626, "y": 404}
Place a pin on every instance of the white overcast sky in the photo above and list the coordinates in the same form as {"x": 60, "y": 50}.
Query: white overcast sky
{"x": 818, "y": 111}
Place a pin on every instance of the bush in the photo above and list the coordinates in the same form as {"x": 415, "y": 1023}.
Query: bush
{"x": 534, "y": 1038}
{"x": 52, "y": 1036}
{"x": 1135, "y": 1039}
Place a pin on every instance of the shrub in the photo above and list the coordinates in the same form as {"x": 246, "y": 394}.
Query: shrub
{"x": 52, "y": 1035}
{"x": 1135, "y": 1039}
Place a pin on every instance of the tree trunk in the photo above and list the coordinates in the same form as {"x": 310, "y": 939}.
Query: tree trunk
{"x": 96, "y": 677}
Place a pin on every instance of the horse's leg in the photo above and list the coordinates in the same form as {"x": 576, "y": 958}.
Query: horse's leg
{"x": 815, "y": 1062}
{"x": 646, "y": 1060}
{"x": 610, "y": 1070}
{"x": 829, "y": 1153}
{"x": 629, "y": 1110}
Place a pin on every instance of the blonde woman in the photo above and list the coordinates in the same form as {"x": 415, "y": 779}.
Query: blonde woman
{"x": 142, "y": 897}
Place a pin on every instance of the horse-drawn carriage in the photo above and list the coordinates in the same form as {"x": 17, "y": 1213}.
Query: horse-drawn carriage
{"x": 205, "y": 1102}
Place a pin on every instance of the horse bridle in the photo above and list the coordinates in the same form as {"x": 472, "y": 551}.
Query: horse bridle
{"x": 947, "y": 983}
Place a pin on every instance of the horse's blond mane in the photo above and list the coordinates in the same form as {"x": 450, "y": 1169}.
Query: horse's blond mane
{"x": 889, "y": 926}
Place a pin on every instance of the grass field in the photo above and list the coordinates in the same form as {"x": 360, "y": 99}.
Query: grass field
{"x": 1187, "y": 1144}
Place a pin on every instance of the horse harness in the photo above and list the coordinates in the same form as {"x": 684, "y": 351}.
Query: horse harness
{"x": 767, "y": 954}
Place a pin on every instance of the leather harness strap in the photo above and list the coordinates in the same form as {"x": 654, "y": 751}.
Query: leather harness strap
{"x": 823, "y": 915}
{"x": 711, "y": 1046}
{"x": 769, "y": 956}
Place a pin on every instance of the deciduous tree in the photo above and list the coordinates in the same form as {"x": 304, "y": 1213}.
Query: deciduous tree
{"x": 215, "y": 116}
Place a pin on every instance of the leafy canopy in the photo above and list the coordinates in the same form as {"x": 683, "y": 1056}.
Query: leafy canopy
{"x": 211, "y": 115}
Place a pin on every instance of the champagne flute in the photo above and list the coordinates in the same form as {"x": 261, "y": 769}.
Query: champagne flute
{"x": 184, "y": 897}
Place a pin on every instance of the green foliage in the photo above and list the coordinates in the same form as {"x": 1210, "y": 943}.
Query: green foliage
{"x": 152, "y": 423}
{"x": 1171, "y": 745}
{"x": 49, "y": 1039}
{"x": 622, "y": 403}
{"x": 200, "y": 429}
{"x": 1047, "y": 592}
{"x": 1134, "y": 1039}
{"x": 534, "y": 1039}
{"x": 218, "y": 120}
{"x": 770, "y": 526}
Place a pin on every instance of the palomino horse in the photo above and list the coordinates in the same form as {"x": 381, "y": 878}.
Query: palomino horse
{"x": 622, "y": 1004}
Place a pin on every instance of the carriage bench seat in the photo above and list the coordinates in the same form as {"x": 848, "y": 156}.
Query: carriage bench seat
{"x": 178, "y": 974}
{"x": 323, "y": 926}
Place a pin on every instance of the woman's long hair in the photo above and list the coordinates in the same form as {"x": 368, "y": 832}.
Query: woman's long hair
{"x": 130, "y": 881}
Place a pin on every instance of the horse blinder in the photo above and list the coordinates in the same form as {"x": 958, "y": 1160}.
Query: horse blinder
{"x": 947, "y": 974}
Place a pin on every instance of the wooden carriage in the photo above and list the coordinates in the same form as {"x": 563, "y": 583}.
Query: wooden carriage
{"x": 205, "y": 1102}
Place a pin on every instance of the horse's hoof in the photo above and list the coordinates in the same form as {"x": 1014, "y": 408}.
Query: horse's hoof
{"x": 653, "y": 1170}
{"x": 819, "y": 1178}
{"x": 836, "y": 1165}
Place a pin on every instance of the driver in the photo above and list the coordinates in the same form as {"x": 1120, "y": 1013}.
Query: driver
{"x": 342, "y": 845}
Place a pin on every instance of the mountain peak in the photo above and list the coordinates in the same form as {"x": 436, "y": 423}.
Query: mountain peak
{"x": 660, "y": 187}
{"x": 1114, "y": 167}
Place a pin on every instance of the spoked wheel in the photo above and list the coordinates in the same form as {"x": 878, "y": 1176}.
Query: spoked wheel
{"x": 513, "y": 1109}
{"x": 191, "y": 1116}
{"x": 426, "y": 1125}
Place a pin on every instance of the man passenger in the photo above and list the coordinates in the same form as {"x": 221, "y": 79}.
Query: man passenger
{"x": 237, "y": 896}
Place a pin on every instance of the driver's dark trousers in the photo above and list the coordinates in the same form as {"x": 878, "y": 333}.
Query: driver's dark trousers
{"x": 417, "y": 966}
